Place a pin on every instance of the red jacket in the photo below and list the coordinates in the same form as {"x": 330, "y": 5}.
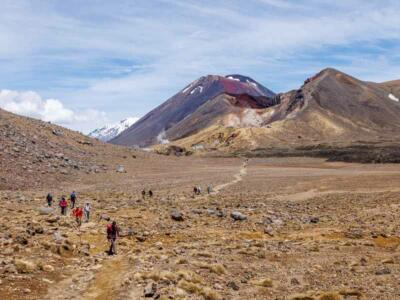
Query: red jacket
{"x": 78, "y": 212}
{"x": 63, "y": 203}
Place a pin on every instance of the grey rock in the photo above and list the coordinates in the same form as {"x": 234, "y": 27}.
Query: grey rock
{"x": 150, "y": 290}
{"x": 268, "y": 230}
{"x": 232, "y": 285}
{"x": 237, "y": 216}
{"x": 383, "y": 271}
{"x": 120, "y": 169}
{"x": 176, "y": 216}
{"x": 46, "y": 211}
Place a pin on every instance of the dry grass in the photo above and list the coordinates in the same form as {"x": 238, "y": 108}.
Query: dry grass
{"x": 218, "y": 269}
{"x": 265, "y": 282}
{"x": 330, "y": 296}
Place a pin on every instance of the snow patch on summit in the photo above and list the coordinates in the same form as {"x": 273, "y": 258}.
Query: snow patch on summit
{"x": 252, "y": 83}
{"x": 198, "y": 88}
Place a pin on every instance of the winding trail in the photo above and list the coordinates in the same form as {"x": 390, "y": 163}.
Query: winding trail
{"x": 103, "y": 282}
{"x": 237, "y": 178}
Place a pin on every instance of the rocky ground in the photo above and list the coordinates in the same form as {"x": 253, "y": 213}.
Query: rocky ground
{"x": 282, "y": 228}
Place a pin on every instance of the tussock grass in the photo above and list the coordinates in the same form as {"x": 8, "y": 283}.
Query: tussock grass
{"x": 218, "y": 269}
{"x": 265, "y": 282}
{"x": 330, "y": 296}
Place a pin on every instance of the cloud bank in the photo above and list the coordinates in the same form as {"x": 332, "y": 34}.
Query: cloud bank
{"x": 31, "y": 104}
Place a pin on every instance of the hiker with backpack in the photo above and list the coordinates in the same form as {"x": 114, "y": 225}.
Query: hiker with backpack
{"x": 112, "y": 235}
{"x": 86, "y": 210}
{"x": 72, "y": 198}
{"x": 63, "y": 205}
{"x": 49, "y": 199}
{"x": 209, "y": 189}
{"x": 77, "y": 212}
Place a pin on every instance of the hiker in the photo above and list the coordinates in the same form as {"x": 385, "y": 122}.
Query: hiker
{"x": 144, "y": 194}
{"x": 195, "y": 191}
{"x": 150, "y": 193}
{"x": 209, "y": 189}
{"x": 63, "y": 204}
{"x": 78, "y": 213}
{"x": 72, "y": 198}
{"x": 112, "y": 235}
{"x": 86, "y": 210}
{"x": 198, "y": 190}
{"x": 49, "y": 199}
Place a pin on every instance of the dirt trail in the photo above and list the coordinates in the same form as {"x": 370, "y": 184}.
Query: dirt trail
{"x": 108, "y": 279}
{"x": 237, "y": 178}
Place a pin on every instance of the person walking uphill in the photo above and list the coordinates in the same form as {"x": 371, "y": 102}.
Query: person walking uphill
{"x": 78, "y": 214}
{"x": 112, "y": 235}
{"x": 63, "y": 204}
{"x": 87, "y": 210}
{"x": 49, "y": 199}
{"x": 72, "y": 197}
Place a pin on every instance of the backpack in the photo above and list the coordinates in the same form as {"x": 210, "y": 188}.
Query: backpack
{"x": 109, "y": 229}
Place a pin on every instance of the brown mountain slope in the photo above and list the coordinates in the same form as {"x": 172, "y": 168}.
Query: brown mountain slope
{"x": 331, "y": 108}
{"x": 34, "y": 153}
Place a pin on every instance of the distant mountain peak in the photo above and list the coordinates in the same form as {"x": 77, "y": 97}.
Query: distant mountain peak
{"x": 163, "y": 120}
{"x": 110, "y": 131}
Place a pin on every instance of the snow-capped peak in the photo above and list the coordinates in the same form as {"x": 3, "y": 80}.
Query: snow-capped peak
{"x": 393, "y": 97}
{"x": 109, "y": 131}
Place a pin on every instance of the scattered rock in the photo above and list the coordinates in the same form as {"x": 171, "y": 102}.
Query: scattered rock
{"x": 150, "y": 290}
{"x": 383, "y": 271}
{"x": 46, "y": 210}
{"x": 57, "y": 132}
{"x": 105, "y": 217}
{"x": 237, "y": 216}
{"x": 268, "y": 230}
{"x": 120, "y": 169}
{"x": 232, "y": 285}
{"x": 294, "y": 281}
{"x": 176, "y": 216}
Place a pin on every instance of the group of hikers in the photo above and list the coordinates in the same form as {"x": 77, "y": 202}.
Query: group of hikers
{"x": 197, "y": 190}
{"x": 113, "y": 231}
{"x": 77, "y": 211}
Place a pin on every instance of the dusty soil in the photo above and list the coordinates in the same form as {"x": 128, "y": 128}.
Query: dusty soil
{"x": 311, "y": 230}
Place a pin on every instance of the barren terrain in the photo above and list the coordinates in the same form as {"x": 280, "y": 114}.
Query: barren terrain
{"x": 311, "y": 230}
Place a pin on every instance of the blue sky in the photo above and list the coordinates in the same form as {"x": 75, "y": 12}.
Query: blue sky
{"x": 85, "y": 63}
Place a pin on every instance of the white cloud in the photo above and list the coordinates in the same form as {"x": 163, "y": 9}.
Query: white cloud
{"x": 31, "y": 104}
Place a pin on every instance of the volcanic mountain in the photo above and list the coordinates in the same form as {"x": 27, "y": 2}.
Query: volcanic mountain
{"x": 197, "y": 106}
{"x": 331, "y": 109}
